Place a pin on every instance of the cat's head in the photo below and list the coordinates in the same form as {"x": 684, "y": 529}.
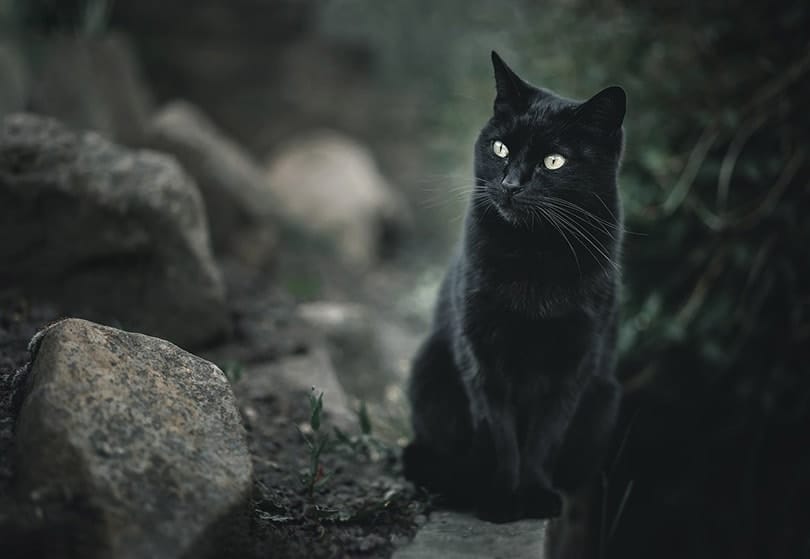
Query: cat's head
{"x": 540, "y": 153}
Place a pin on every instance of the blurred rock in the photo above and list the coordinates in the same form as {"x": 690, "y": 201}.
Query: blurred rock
{"x": 260, "y": 68}
{"x": 247, "y": 21}
{"x": 330, "y": 185}
{"x": 13, "y": 78}
{"x": 146, "y": 434}
{"x": 106, "y": 233}
{"x": 295, "y": 376}
{"x": 370, "y": 352}
{"x": 90, "y": 83}
{"x": 239, "y": 206}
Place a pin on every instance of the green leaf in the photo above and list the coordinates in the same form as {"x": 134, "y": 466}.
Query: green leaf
{"x": 364, "y": 419}
{"x": 316, "y": 407}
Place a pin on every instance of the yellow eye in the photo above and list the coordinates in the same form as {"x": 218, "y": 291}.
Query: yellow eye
{"x": 554, "y": 161}
{"x": 500, "y": 148}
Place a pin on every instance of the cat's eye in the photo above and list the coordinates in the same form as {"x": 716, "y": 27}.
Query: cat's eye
{"x": 553, "y": 161}
{"x": 500, "y": 149}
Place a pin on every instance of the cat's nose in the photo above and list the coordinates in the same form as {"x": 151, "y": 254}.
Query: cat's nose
{"x": 511, "y": 185}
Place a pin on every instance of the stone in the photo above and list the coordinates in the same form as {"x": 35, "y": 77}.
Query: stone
{"x": 237, "y": 201}
{"x": 91, "y": 82}
{"x": 452, "y": 535}
{"x": 331, "y": 186}
{"x": 145, "y": 434}
{"x": 106, "y": 233}
{"x": 371, "y": 353}
{"x": 295, "y": 376}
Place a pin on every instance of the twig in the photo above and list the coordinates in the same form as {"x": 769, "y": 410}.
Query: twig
{"x": 695, "y": 160}
{"x": 732, "y": 155}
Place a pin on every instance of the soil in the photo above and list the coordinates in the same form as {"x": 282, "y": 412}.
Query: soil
{"x": 19, "y": 321}
{"x": 361, "y": 507}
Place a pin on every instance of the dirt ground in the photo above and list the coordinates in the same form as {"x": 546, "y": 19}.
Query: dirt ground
{"x": 362, "y": 508}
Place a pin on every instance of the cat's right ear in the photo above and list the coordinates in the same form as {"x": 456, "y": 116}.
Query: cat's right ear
{"x": 513, "y": 94}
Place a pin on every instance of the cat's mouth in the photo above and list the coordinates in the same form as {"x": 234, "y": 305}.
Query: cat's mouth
{"x": 509, "y": 208}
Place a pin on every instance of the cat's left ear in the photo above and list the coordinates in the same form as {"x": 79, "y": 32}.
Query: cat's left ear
{"x": 513, "y": 93}
{"x": 605, "y": 110}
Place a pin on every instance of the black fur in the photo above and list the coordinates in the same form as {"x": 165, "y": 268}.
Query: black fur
{"x": 513, "y": 392}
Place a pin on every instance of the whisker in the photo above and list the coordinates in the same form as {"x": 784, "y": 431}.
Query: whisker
{"x": 584, "y": 219}
{"x": 580, "y": 209}
{"x": 549, "y": 217}
{"x": 583, "y": 235}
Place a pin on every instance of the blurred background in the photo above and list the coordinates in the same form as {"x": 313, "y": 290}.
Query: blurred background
{"x": 359, "y": 116}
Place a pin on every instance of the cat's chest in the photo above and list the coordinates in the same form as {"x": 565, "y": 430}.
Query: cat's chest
{"x": 529, "y": 292}
{"x": 518, "y": 341}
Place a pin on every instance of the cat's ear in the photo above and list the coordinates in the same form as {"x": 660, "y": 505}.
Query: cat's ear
{"x": 605, "y": 110}
{"x": 513, "y": 93}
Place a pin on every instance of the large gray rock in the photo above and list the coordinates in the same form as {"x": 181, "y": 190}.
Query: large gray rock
{"x": 106, "y": 233}
{"x": 90, "y": 83}
{"x": 239, "y": 205}
{"x": 146, "y": 434}
{"x": 331, "y": 186}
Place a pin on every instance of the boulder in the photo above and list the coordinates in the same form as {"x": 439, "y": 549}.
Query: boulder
{"x": 331, "y": 186}
{"x": 146, "y": 435}
{"x": 238, "y": 204}
{"x": 90, "y": 83}
{"x": 106, "y": 233}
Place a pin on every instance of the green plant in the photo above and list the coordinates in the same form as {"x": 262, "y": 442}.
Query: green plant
{"x": 317, "y": 442}
{"x": 365, "y": 443}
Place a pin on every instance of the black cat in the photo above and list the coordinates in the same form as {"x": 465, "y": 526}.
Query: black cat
{"x": 513, "y": 392}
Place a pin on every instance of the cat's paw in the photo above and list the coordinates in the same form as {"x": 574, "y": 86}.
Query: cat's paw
{"x": 499, "y": 507}
{"x": 539, "y": 502}
{"x": 418, "y": 462}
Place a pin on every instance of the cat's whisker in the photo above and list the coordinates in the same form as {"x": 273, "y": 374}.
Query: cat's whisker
{"x": 550, "y": 218}
{"x": 585, "y": 219}
{"x": 576, "y": 224}
{"x": 583, "y": 235}
{"x": 450, "y": 195}
{"x": 582, "y": 210}
{"x": 575, "y": 234}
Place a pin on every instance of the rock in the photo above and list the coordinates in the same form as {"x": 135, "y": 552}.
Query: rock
{"x": 106, "y": 233}
{"x": 262, "y": 69}
{"x": 238, "y": 203}
{"x": 294, "y": 377}
{"x": 146, "y": 434}
{"x": 90, "y": 83}
{"x": 451, "y": 535}
{"x": 371, "y": 353}
{"x": 331, "y": 186}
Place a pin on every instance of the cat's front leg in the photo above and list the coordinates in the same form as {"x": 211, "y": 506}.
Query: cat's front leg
{"x": 546, "y": 425}
{"x": 496, "y": 435}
